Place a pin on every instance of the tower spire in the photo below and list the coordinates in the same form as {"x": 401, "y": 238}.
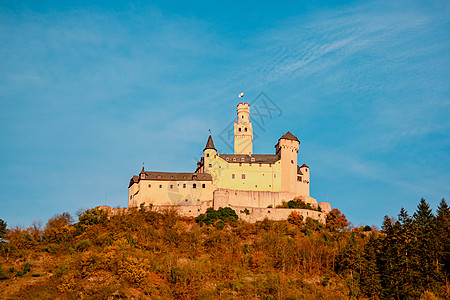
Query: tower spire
{"x": 209, "y": 143}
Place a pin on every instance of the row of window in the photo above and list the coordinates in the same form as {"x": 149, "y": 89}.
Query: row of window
{"x": 194, "y": 186}
{"x": 233, "y": 176}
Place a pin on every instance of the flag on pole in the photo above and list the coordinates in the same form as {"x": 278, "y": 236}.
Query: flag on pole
{"x": 241, "y": 95}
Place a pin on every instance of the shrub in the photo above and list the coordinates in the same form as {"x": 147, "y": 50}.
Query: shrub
{"x": 36, "y": 275}
{"x": 225, "y": 214}
{"x": 295, "y": 218}
{"x": 20, "y": 274}
{"x": 27, "y": 267}
{"x": 2, "y": 273}
{"x": 220, "y": 225}
{"x": 82, "y": 245}
{"x": 92, "y": 216}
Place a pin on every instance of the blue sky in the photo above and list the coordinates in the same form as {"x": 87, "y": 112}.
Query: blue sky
{"x": 90, "y": 90}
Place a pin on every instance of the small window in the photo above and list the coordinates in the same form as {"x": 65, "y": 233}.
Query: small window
{"x": 194, "y": 186}
{"x": 299, "y": 178}
{"x": 149, "y": 185}
{"x": 292, "y": 161}
{"x": 186, "y": 200}
{"x": 233, "y": 176}
{"x": 171, "y": 186}
{"x": 234, "y": 158}
{"x": 306, "y": 170}
{"x": 203, "y": 185}
{"x": 198, "y": 200}
{"x": 240, "y": 164}
{"x": 207, "y": 154}
{"x": 228, "y": 159}
{"x": 160, "y": 186}
{"x": 239, "y": 129}
{"x": 159, "y": 176}
{"x": 243, "y": 176}
{"x": 260, "y": 165}
{"x": 274, "y": 175}
{"x": 242, "y": 159}
{"x": 184, "y": 185}
{"x": 210, "y": 165}
{"x": 253, "y": 159}
{"x": 270, "y": 185}
{"x": 245, "y": 129}
{"x": 270, "y": 165}
{"x": 256, "y": 185}
{"x": 250, "y": 164}
{"x": 184, "y": 177}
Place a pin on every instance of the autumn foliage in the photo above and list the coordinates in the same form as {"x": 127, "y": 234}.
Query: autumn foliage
{"x": 145, "y": 254}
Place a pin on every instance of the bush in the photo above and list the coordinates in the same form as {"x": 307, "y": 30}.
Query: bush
{"x": 2, "y": 273}
{"x": 225, "y": 214}
{"x": 36, "y": 275}
{"x": 27, "y": 267}
{"x": 92, "y": 216}
{"x": 20, "y": 274}
{"x": 82, "y": 245}
{"x": 220, "y": 225}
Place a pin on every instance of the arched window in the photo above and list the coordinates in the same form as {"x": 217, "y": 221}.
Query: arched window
{"x": 194, "y": 186}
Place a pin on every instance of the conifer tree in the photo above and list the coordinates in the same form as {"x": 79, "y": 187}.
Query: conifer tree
{"x": 426, "y": 247}
{"x": 370, "y": 275}
{"x": 443, "y": 238}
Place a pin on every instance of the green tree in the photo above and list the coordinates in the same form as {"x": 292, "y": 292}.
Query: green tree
{"x": 370, "y": 274}
{"x": 426, "y": 247}
{"x": 2, "y": 228}
{"x": 443, "y": 238}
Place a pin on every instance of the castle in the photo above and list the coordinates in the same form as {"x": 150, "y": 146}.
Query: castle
{"x": 252, "y": 184}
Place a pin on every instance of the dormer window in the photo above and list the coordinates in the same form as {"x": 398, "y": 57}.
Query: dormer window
{"x": 228, "y": 159}
{"x": 142, "y": 176}
{"x": 253, "y": 159}
{"x": 234, "y": 158}
{"x": 159, "y": 176}
{"x": 242, "y": 159}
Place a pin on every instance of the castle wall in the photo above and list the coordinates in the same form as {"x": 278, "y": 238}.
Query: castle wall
{"x": 260, "y": 199}
{"x": 158, "y": 192}
{"x": 255, "y": 214}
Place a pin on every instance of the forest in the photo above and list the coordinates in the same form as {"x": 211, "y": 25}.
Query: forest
{"x": 150, "y": 254}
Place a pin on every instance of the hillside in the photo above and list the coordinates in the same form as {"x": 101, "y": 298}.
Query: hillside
{"x": 146, "y": 254}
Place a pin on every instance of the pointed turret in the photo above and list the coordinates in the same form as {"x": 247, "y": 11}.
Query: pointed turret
{"x": 209, "y": 144}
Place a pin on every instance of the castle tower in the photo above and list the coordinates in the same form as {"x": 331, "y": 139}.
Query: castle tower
{"x": 287, "y": 148}
{"x": 209, "y": 155}
{"x": 243, "y": 130}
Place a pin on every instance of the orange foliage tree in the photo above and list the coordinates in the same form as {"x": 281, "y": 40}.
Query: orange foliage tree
{"x": 336, "y": 221}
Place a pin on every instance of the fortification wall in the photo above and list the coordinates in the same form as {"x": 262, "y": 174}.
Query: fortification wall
{"x": 255, "y": 214}
{"x": 260, "y": 199}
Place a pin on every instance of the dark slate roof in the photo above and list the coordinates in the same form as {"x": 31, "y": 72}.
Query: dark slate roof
{"x": 258, "y": 158}
{"x": 289, "y": 136}
{"x": 304, "y": 166}
{"x": 299, "y": 172}
{"x": 168, "y": 176}
{"x": 209, "y": 144}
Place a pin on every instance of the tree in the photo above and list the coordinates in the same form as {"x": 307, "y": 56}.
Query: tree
{"x": 336, "y": 221}
{"x": 2, "y": 228}
{"x": 426, "y": 247}
{"x": 443, "y": 237}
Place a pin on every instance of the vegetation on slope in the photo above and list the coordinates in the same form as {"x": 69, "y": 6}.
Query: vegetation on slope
{"x": 148, "y": 254}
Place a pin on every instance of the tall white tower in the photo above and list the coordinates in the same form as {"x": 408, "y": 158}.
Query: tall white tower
{"x": 243, "y": 130}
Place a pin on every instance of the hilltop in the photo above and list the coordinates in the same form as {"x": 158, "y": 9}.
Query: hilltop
{"x": 147, "y": 254}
